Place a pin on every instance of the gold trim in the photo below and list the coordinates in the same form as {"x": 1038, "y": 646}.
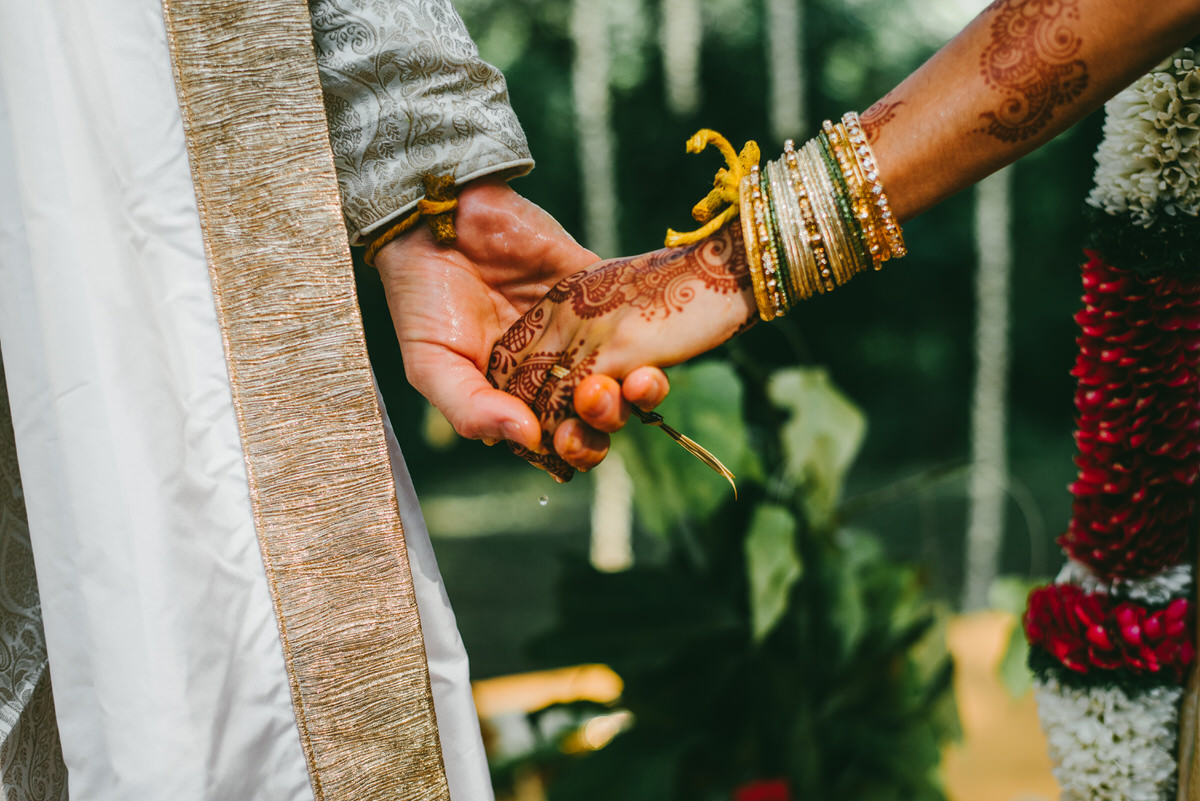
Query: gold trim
{"x": 1188, "y": 787}
{"x": 321, "y": 485}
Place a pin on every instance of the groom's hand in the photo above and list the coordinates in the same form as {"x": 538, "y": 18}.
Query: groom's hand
{"x": 450, "y": 304}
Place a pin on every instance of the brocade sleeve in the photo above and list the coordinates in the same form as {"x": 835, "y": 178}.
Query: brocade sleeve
{"x": 406, "y": 95}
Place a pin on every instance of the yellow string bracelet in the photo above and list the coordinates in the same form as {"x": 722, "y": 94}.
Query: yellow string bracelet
{"x": 720, "y": 205}
{"x": 436, "y": 208}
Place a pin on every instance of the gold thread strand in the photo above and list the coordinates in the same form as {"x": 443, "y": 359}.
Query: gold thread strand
{"x": 689, "y": 444}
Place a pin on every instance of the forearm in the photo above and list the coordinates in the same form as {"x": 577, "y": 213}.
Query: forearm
{"x": 1019, "y": 74}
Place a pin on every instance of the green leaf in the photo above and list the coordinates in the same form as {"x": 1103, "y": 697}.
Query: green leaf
{"x": 772, "y": 566}
{"x": 1010, "y": 594}
{"x": 856, "y": 553}
{"x": 1014, "y": 665}
{"x": 672, "y": 487}
{"x": 820, "y": 440}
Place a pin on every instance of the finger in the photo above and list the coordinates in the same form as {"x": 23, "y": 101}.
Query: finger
{"x": 475, "y": 408}
{"x": 580, "y": 445}
{"x": 564, "y": 255}
{"x": 598, "y": 401}
{"x": 646, "y": 387}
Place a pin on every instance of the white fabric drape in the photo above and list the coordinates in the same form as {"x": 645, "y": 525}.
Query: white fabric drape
{"x": 168, "y": 671}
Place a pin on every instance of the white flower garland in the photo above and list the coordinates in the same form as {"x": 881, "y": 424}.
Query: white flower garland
{"x": 1172, "y": 583}
{"x": 1149, "y": 160}
{"x": 1107, "y": 746}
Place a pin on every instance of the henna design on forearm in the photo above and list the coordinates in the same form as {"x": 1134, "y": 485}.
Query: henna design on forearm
{"x": 659, "y": 282}
{"x": 1031, "y": 59}
{"x": 881, "y": 112}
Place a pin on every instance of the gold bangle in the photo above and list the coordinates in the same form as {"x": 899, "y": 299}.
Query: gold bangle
{"x": 862, "y": 148}
{"x": 816, "y": 238}
{"x": 860, "y": 204}
{"x": 789, "y": 235}
{"x": 750, "y": 242}
{"x": 811, "y": 271}
{"x": 766, "y": 242}
{"x": 820, "y": 192}
{"x": 847, "y": 253}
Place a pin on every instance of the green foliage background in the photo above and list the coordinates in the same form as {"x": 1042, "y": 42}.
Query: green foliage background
{"x": 776, "y": 640}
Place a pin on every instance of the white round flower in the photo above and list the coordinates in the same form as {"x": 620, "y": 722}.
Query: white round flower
{"x": 1161, "y": 588}
{"x": 1107, "y": 746}
{"x": 1148, "y": 162}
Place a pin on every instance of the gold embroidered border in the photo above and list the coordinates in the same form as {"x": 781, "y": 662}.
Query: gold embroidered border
{"x": 321, "y": 486}
{"x": 1189, "y": 730}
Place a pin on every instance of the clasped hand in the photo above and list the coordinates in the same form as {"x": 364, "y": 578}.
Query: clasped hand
{"x": 581, "y": 355}
{"x": 576, "y": 341}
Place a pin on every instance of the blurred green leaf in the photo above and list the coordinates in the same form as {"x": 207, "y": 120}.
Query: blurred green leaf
{"x": 772, "y": 566}
{"x": 672, "y": 487}
{"x": 849, "y": 615}
{"x": 820, "y": 439}
{"x": 1010, "y": 594}
{"x": 1014, "y": 664}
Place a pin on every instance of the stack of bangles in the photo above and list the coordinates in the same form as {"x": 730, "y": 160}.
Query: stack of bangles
{"x": 815, "y": 218}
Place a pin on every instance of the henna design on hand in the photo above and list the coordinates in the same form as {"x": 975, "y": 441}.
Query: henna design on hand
{"x": 653, "y": 285}
{"x": 529, "y": 378}
{"x": 1031, "y": 59}
{"x": 660, "y": 282}
{"x": 504, "y": 353}
{"x": 881, "y": 112}
{"x": 551, "y": 400}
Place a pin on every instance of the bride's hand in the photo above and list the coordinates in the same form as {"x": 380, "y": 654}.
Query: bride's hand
{"x": 657, "y": 309}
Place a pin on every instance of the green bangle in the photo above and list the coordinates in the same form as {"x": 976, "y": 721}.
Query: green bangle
{"x": 782, "y": 267}
{"x": 850, "y": 222}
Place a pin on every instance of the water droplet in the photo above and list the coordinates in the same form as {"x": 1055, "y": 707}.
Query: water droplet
{"x": 542, "y": 501}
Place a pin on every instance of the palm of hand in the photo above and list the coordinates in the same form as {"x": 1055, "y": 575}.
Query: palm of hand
{"x": 450, "y": 304}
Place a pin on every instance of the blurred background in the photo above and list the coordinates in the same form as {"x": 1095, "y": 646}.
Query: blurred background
{"x": 903, "y": 445}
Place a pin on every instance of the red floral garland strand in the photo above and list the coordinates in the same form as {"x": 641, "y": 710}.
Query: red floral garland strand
{"x": 1139, "y": 422}
{"x": 1086, "y": 632}
{"x": 764, "y": 790}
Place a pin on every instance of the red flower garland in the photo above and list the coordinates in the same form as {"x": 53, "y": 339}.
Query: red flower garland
{"x": 1139, "y": 422}
{"x": 764, "y": 790}
{"x": 1087, "y": 632}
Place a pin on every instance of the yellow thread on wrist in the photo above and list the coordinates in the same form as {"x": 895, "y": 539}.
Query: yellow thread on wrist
{"x": 436, "y": 208}
{"x": 720, "y": 205}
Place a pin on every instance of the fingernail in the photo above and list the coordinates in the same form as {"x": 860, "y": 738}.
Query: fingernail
{"x": 515, "y": 431}
{"x": 489, "y": 441}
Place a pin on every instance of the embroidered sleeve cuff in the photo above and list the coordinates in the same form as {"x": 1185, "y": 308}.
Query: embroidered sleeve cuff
{"x": 509, "y": 169}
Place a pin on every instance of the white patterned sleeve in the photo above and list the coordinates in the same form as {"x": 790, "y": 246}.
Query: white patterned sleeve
{"x": 407, "y": 95}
